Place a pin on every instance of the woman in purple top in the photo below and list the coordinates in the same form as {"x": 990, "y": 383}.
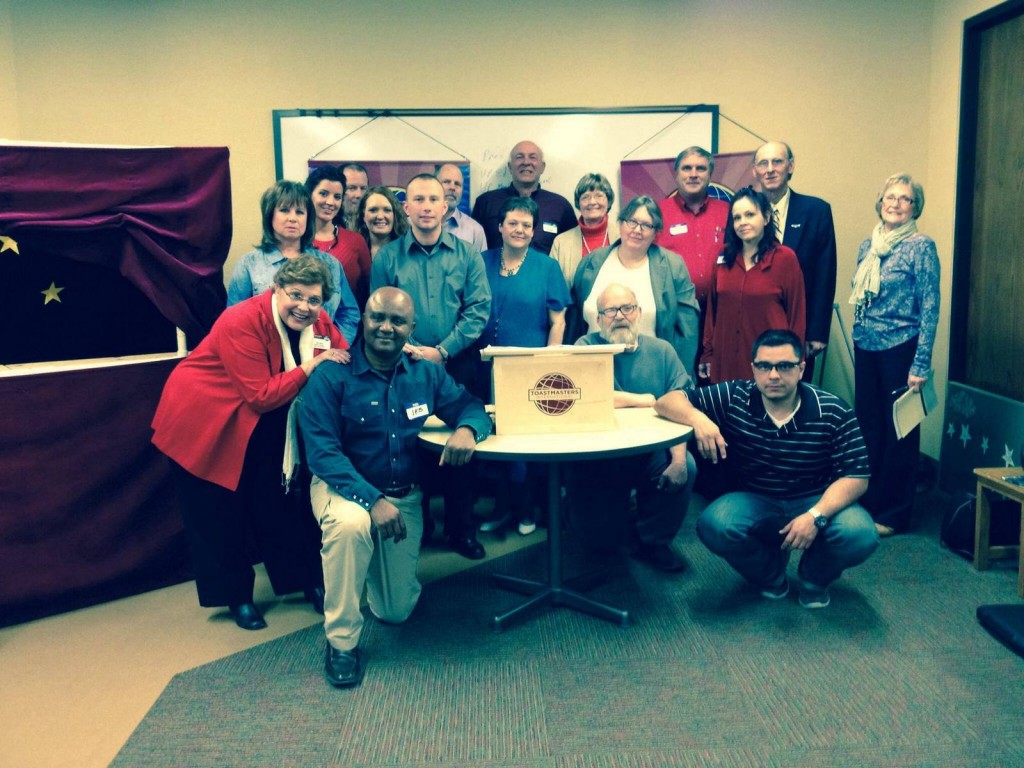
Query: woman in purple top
{"x": 528, "y": 301}
{"x": 896, "y": 300}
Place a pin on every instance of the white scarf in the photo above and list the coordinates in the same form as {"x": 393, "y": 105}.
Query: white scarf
{"x": 867, "y": 280}
{"x": 291, "y": 439}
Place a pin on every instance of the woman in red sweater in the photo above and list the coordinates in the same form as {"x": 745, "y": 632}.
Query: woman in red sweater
{"x": 326, "y": 185}
{"x": 225, "y": 421}
{"x": 757, "y": 286}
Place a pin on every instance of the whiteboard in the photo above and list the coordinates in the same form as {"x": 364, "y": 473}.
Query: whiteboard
{"x": 575, "y": 141}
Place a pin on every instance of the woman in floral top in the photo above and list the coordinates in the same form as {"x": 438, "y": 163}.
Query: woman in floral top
{"x": 896, "y": 299}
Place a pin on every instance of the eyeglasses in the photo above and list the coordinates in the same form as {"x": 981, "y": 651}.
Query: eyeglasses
{"x": 902, "y": 199}
{"x": 298, "y": 298}
{"x": 625, "y": 309}
{"x": 775, "y": 162}
{"x": 643, "y": 226}
{"x": 784, "y": 367}
{"x": 596, "y": 197}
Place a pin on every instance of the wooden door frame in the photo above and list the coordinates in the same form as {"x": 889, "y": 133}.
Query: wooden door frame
{"x": 963, "y": 231}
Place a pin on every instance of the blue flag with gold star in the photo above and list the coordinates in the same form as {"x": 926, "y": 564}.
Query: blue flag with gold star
{"x": 132, "y": 247}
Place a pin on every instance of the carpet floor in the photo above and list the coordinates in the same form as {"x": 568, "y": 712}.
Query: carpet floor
{"x": 896, "y": 672}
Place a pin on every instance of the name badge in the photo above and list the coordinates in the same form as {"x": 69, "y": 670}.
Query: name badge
{"x": 678, "y": 229}
{"x": 321, "y": 342}
{"x": 721, "y": 259}
{"x": 551, "y": 227}
{"x": 416, "y": 411}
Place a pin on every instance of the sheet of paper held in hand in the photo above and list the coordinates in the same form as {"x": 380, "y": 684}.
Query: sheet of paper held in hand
{"x": 911, "y": 407}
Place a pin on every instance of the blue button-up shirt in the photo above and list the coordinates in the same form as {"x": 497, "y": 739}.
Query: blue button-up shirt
{"x": 360, "y": 425}
{"x": 255, "y": 272}
{"x": 448, "y": 286}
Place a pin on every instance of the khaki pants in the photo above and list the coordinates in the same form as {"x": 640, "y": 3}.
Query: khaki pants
{"x": 354, "y": 557}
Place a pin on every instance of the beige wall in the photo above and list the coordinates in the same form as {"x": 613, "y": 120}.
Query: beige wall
{"x": 859, "y": 89}
{"x": 8, "y": 90}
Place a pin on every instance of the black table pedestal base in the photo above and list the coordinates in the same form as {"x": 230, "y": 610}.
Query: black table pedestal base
{"x": 554, "y": 592}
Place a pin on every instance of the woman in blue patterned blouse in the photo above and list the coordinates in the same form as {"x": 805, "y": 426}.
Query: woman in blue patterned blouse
{"x": 896, "y": 299}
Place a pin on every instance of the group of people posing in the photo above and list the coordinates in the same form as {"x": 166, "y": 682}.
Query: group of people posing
{"x": 292, "y": 427}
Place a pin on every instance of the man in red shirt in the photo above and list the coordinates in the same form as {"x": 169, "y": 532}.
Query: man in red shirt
{"x": 695, "y": 223}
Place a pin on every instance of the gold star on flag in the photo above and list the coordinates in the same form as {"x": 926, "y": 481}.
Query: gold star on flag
{"x": 8, "y": 244}
{"x": 52, "y": 294}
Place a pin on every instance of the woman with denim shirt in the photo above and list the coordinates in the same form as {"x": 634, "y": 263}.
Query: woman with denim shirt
{"x": 288, "y": 227}
{"x": 896, "y": 299}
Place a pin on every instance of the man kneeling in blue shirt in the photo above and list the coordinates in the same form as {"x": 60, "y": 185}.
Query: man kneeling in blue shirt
{"x": 360, "y": 425}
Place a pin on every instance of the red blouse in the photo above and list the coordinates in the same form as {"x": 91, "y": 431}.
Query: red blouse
{"x": 743, "y": 304}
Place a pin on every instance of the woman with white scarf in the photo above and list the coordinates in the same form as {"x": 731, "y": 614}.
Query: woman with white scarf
{"x": 896, "y": 300}
{"x": 226, "y": 420}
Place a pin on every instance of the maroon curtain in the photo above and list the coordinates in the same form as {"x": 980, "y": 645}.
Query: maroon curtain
{"x": 105, "y": 250}
{"x": 160, "y": 218}
{"x": 87, "y": 511}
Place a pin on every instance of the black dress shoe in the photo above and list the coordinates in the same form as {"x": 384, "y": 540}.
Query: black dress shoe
{"x": 661, "y": 557}
{"x": 468, "y": 547}
{"x": 316, "y": 597}
{"x": 248, "y": 616}
{"x": 344, "y": 669}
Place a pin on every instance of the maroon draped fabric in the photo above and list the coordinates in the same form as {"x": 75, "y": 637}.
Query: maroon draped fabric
{"x": 105, "y": 251}
{"x": 87, "y": 511}
{"x": 161, "y": 218}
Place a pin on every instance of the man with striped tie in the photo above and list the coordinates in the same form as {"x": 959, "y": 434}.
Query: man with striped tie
{"x": 804, "y": 224}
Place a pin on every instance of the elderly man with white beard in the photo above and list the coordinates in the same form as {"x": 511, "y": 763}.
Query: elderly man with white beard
{"x": 599, "y": 492}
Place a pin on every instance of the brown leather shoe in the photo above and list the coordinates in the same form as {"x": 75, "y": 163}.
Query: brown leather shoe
{"x": 344, "y": 669}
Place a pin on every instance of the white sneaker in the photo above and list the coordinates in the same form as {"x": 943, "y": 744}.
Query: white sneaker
{"x": 526, "y": 527}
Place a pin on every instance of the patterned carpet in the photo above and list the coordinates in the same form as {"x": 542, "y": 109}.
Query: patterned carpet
{"x": 896, "y": 672}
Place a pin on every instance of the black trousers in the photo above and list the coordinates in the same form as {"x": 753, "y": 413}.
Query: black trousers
{"x": 891, "y": 490}
{"x": 598, "y": 495}
{"x": 456, "y": 484}
{"x": 229, "y": 530}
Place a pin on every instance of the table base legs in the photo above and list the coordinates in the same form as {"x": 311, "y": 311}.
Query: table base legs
{"x": 554, "y": 592}
{"x": 542, "y": 594}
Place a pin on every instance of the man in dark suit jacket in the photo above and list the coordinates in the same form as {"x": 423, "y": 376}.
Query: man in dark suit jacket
{"x": 803, "y": 223}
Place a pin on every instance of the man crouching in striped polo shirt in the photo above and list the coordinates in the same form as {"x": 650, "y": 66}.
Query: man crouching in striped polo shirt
{"x": 795, "y": 456}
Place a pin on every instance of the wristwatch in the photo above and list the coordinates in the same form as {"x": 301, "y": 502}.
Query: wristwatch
{"x": 443, "y": 352}
{"x": 820, "y": 521}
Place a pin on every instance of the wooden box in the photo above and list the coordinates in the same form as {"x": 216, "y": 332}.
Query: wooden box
{"x": 553, "y": 389}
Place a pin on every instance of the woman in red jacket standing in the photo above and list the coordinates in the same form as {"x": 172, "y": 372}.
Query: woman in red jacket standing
{"x": 225, "y": 421}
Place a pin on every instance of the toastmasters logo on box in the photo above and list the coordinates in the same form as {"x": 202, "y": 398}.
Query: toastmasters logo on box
{"x": 554, "y": 394}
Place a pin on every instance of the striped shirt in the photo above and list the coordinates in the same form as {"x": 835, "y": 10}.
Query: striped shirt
{"x": 820, "y": 444}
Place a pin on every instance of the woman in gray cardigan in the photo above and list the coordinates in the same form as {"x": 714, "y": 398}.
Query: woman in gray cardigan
{"x": 658, "y": 277}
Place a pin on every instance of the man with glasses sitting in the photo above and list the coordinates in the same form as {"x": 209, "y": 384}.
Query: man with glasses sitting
{"x": 795, "y": 455}
{"x": 599, "y": 492}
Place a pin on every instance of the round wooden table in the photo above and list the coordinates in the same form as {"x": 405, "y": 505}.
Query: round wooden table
{"x": 640, "y": 430}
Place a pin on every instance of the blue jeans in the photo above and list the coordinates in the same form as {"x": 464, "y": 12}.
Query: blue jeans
{"x": 725, "y": 528}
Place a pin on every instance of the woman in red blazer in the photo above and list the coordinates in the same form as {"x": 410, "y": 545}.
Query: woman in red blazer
{"x": 225, "y": 421}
